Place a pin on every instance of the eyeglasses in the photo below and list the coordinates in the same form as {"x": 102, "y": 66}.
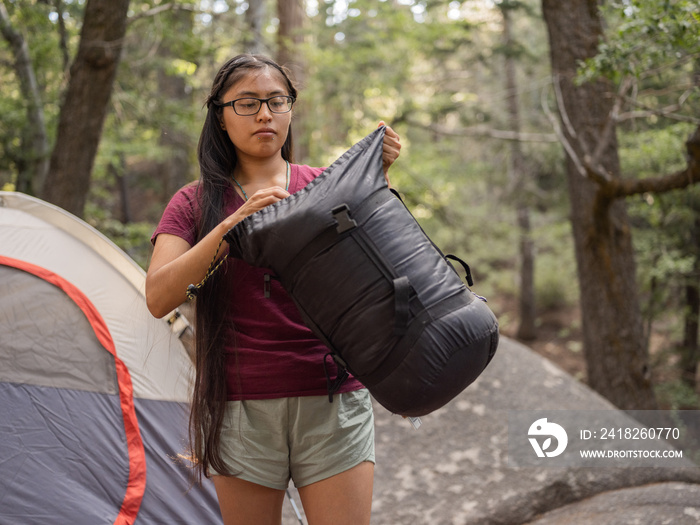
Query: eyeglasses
{"x": 250, "y": 106}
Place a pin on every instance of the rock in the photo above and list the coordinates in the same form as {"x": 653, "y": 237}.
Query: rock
{"x": 455, "y": 468}
{"x": 657, "y": 504}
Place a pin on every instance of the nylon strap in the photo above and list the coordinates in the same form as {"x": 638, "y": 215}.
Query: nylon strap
{"x": 330, "y": 236}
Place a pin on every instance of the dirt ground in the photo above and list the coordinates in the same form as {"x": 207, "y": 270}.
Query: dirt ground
{"x": 558, "y": 335}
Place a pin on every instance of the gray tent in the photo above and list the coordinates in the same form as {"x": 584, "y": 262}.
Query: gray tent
{"x": 93, "y": 390}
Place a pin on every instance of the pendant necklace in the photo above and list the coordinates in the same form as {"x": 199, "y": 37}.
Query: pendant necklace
{"x": 245, "y": 195}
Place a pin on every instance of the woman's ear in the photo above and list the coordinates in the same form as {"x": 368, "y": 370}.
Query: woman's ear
{"x": 221, "y": 123}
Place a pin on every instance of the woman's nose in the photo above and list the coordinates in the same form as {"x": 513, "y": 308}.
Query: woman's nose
{"x": 264, "y": 113}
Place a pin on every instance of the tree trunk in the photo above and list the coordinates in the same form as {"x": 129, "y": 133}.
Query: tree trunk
{"x": 62, "y": 34}
{"x": 174, "y": 171}
{"x": 289, "y": 37}
{"x": 86, "y": 102}
{"x": 291, "y": 17}
{"x": 35, "y": 141}
{"x": 121, "y": 177}
{"x": 690, "y": 354}
{"x": 616, "y": 356}
{"x": 254, "y": 18}
{"x": 517, "y": 175}
{"x": 690, "y": 350}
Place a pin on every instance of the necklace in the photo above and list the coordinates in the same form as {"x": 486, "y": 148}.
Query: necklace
{"x": 245, "y": 195}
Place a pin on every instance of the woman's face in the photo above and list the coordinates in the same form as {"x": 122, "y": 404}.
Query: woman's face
{"x": 263, "y": 134}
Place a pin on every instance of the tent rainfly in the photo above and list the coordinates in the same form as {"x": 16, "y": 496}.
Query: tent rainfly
{"x": 93, "y": 390}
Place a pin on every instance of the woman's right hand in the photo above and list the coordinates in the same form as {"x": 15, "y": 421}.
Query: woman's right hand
{"x": 175, "y": 264}
{"x": 259, "y": 200}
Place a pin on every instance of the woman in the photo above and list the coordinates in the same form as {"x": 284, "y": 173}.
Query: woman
{"x": 260, "y": 413}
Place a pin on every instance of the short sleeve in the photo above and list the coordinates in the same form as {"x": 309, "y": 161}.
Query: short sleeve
{"x": 180, "y": 216}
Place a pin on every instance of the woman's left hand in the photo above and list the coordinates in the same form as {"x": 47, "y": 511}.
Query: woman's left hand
{"x": 391, "y": 150}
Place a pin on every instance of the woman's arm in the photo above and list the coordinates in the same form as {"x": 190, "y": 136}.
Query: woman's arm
{"x": 175, "y": 264}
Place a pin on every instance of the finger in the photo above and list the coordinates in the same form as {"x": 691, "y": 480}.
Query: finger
{"x": 391, "y": 145}
{"x": 391, "y": 134}
{"x": 263, "y": 198}
{"x": 391, "y": 152}
{"x": 272, "y": 191}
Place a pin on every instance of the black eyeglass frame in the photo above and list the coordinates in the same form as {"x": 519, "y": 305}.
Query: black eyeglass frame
{"x": 290, "y": 102}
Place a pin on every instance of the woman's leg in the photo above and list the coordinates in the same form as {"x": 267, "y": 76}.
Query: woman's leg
{"x": 343, "y": 499}
{"x": 245, "y": 503}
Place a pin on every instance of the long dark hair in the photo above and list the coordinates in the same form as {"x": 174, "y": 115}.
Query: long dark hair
{"x": 217, "y": 161}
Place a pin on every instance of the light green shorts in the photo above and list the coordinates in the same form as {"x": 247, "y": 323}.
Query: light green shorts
{"x": 306, "y": 439}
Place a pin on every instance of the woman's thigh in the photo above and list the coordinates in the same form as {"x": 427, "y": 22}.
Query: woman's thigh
{"x": 343, "y": 499}
{"x": 245, "y": 503}
{"x": 330, "y": 438}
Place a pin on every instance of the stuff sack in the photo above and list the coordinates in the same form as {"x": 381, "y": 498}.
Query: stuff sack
{"x": 371, "y": 285}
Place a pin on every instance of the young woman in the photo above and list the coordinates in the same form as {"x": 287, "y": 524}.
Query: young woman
{"x": 260, "y": 413}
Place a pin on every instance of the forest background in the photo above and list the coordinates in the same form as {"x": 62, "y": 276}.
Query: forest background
{"x": 555, "y": 146}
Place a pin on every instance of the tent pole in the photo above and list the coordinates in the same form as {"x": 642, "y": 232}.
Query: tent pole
{"x": 294, "y": 506}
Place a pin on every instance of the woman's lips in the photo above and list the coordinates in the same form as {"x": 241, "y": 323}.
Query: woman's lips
{"x": 265, "y": 133}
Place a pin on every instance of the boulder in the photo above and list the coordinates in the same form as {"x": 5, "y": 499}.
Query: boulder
{"x": 455, "y": 469}
{"x": 661, "y": 503}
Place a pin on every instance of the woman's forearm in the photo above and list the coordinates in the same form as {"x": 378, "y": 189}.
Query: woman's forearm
{"x": 175, "y": 265}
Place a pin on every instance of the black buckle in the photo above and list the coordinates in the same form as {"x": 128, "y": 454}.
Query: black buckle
{"x": 342, "y": 216}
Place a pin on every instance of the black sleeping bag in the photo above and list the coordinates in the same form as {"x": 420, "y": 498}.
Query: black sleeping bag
{"x": 371, "y": 285}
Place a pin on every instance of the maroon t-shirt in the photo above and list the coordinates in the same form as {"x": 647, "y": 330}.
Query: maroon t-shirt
{"x": 272, "y": 353}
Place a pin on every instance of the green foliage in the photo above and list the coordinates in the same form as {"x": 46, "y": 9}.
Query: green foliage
{"x": 646, "y": 36}
{"x": 37, "y": 22}
{"x": 650, "y": 153}
{"x": 664, "y": 243}
{"x": 133, "y": 238}
{"x": 651, "y": 52}
{"x": 13, "y": 119}
{"x": 555, "y": 267}
{"x": 677, "y": 395}
{"x": 351, "y": 96}
{"x": 443, "y": 68}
